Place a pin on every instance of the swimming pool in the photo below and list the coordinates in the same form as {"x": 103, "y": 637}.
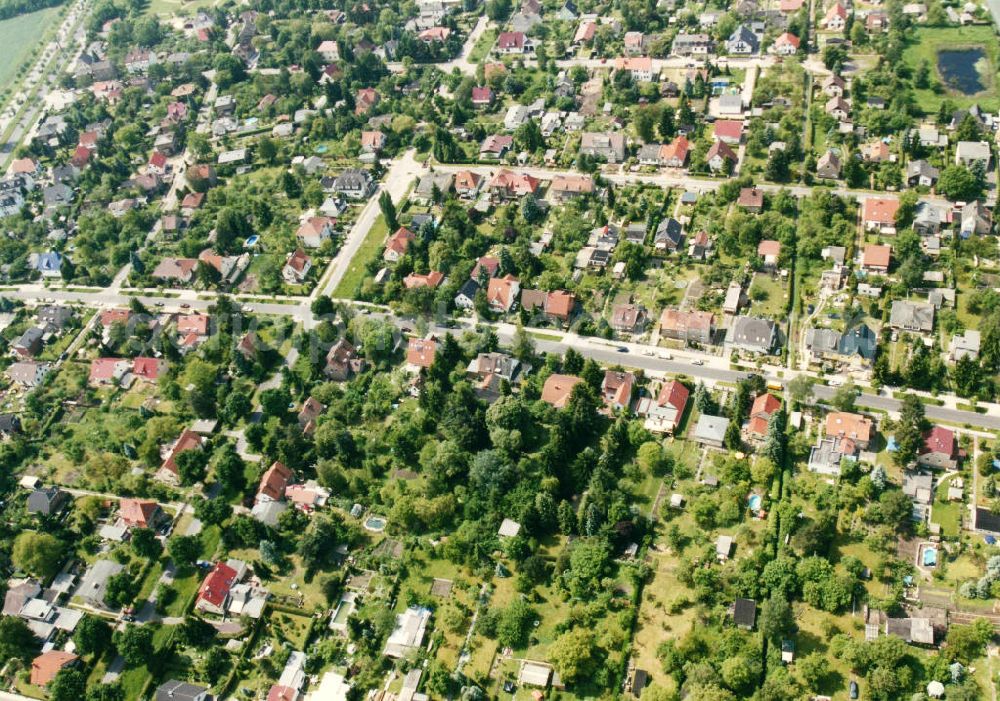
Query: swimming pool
{"x": 251, "y": 241}
{"x": 322, "y": 148}
{"x": 375, "y": 524}
{"x": 753, "y": 501}
{"x": 930, "y": 557}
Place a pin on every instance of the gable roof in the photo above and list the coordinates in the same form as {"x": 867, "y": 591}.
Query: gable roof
{"x": 558, "y": 388}
{"x": 46, "y": 666}
{"x": 274, "y": 481}
{"x": 215, "y": 588}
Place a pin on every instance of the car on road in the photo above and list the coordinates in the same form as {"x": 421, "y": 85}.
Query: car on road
{"x": 697, "y": 361}
{"x": 185, "y": 306}
{"x": 854, "y": 689}
{"x": 666, "y": 356}
{"x": 621, "y": 349}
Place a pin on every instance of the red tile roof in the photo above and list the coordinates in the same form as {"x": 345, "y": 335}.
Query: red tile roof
{"x": 148, "y": 368}
{"x": 940, "y": 440}
{"x": 217, "y": 584}
{"x": 46, "y": 666}
{"x": 558, "y": 388}
{"x": 137, "y": 513}
{"x": 420, "y": 352}
{"x": 274, "y": 481}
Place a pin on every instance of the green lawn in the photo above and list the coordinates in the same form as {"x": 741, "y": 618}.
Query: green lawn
{"x": 946, "y": 513}
{"x": 483, "y": 46}
{"x": 368, "y": 251}
{"x": 170, "y": 7}
{"x": 19, "y": 35}
{"x": 925, "y": 42}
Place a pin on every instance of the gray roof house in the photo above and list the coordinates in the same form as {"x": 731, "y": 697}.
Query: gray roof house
{"x": 921, "y": 173}
{"x": 354, "y": 183}
{"x": 828, "y": 166}
{"x": 607, "y": 145}
{"x": 47, "y": 501}
{"x": 743, "y": 41}
{"x": 858, "y": 341}
{"x": 976, "y": 219}
{"x": 912, "y": 316}
{"x": 669, "y": 235}
{"x": 94, "y": 584}
{"x": 174, "y": 690}
{"x": 711, "y": 430}
{"x": 751, "y": 334}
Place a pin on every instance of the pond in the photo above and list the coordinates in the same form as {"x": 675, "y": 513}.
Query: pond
{"x": 960, "y": 69}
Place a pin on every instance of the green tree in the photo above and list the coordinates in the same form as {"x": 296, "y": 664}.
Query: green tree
{"x": 144, "y": 543}
{"x": 69, "y": 685}
{"x": 573, "y": 654}
{"x": 135, "y": 644}
{"x": 514, "y": 623}
{"x": 16, "y": 640}
{"x": 909, "y": 430}
{"x": 92, "y": 636}
{"x": 39, "y": 554}
{"x": 958, "y": 183}
{"x": 777, "y": 620}
{"x": 388, "y": 211}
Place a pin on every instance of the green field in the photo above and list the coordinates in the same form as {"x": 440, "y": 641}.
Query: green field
{"x": 924, "y": 45}
{"x": 369, "y": 250}
{"x": 170, "y": 7}
{"x": 18, "y": 36}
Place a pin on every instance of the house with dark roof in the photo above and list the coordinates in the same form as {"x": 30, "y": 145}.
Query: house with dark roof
{"x": 940, "y": 449}
{"x": 47, "y": 501}
{"x": 752, "y": 334}
{"x": 174, "y": 690}
{"x": 744, "y": 613}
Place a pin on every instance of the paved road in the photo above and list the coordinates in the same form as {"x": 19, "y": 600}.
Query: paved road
{"x": 397, "y": 181}
{"x": 70, "y": 34}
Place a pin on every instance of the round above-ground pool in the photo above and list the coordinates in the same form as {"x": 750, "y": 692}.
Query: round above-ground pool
{"x": 375, "y": 524}
{"x": 753, "y": 501}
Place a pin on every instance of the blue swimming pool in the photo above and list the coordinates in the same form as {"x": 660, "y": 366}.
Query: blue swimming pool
{"x": 251, "y": 241}
{"x": 930, "y": 557}
{"x": 753, "y": 501}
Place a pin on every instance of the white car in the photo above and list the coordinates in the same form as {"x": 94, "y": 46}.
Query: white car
{"x": 697, "y": 361}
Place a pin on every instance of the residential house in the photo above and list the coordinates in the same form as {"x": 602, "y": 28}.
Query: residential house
{"x": 354, "y": 184}
{"x": 940, "y": 449}
{"x": 964, "y": 345}
{"x": 342, "y": 361}
{"x": 213, "y": 594}
{"x": 876, "y": 258}
{"x": 917, "y": 317}
{"x": 687, "y": 326}
{"x": 48, "y": 501}
{"x": 273, "y": 483}
{"x": 669, "y": 236}
{"x": 769, "y": 251}
{"x": 29, "y": 344}
{"x": 787, "y": 44}
{"x": 857, "y": 428}
{"x": 46, "y": 666}
{"x": 628, "y": 318}
{"x": 140, "y": 513}
{"x": 28, "y": 373}
{"x": 94, "y": 583}
{"x": 617, "y": 389}
{"x": 396, "y": 245}
{"x": 743, "y": 42}
{"x": 751, "y": 199}
{"x": 640, "y": 68}
{"x": 764, "y": 406}
{"x": 297, "y": 267}
{"x": 921, "y": 173}
{"x": 664, "y": 413}
{"x": 169, "y": 472}
{"x": 495, "y": 146}
{"x": 313, "y": 231}
{"x": 752, "y": 334}
{"x": 558, "y": 388}
{"x": 567, "y": 187}
{"x": 492, "y": 369}
{"x": 720, "y": 157}
{"x": 608, "y": 146}
{"x": 710, "y": 430}
{"x": 879, "y": 214}
{"x": 675, "y": 154}
{"x": 975, "y": 219}
{"x": 729, "y": 131}
{"x": 502, "y": 293}
{"x": 969, "y": 153}
{"x": 692, "y": 44}
{"x": 513, "y": 44}
{"x": 836, "y": 18}
{"x": 839, "y": 108}
{"x": 420, "y": 354}
{"x": 508, "y": 185}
